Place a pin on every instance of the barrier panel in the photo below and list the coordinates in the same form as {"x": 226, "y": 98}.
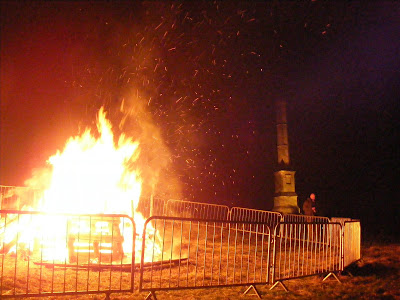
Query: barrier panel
{"x": 151, "y": 206}
{"x": 197, "y": 253}
{"x": 304, "y": 218}
{"x": 351, "y": 242}
{"x": 65, "y": 254}
{"x": 198, "y": 210}
{"x": 305, "y": 249}
{"x": 241, "y": 214}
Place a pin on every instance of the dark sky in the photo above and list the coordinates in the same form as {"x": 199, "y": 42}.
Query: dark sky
{"x": 207, "y": 75}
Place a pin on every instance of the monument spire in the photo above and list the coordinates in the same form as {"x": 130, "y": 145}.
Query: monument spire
{"x": 285, "y": 198}
{"x": 282, "y": 135}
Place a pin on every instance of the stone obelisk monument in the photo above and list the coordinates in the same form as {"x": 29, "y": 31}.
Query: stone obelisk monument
{"x": 285, "y": 198}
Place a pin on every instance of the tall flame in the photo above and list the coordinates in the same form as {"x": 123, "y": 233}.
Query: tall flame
{"x": 94, "y": 175}
{"x": 90, "y": 176}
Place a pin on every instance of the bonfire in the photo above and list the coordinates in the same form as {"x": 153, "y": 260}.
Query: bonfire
{"x": 96, "y": 176}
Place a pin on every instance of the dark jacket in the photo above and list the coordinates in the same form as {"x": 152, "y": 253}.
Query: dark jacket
{"x": 307, "y": 207}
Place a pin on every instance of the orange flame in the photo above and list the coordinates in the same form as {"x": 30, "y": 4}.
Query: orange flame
{"x": 93, "y": 175}
{"x": 90, "y": 176}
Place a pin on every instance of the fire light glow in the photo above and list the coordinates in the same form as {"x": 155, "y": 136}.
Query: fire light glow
{"x": 90, "y": 176}
{"x": 93, "y": 175}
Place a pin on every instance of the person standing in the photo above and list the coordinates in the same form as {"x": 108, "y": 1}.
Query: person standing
{"x": 309, "y": 207}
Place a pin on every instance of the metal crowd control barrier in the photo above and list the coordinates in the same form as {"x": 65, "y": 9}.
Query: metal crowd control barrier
{"x": 65, "y": 254}
{"x": 305, "y": 249}
{"x": 351, "y": 242}
{"x": 151, "y": 206}
{"x": 304, "y": 218}
{"x": 198, "y": 210}
{"x": 69, "y": 254}
{"x": 197, "y": 253}
{"x": 253, "y": 215}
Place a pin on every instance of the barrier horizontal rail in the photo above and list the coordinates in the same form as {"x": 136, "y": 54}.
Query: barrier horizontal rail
{"x": 198, "y": 253}
{"x": 304, "y": 218}
{"x": 351, "y": 242}
{"x": 198, "y": 210}
{"x": 65, "y": 254}
{"x": 242, "y": 214}
{"x": 339, "y": 220}
{"x": 305, "y": 249}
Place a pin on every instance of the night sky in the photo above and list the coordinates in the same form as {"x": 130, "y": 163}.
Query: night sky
{"x": 200, "y": 81}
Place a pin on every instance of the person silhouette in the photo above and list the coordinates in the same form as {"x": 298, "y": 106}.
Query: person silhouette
{"x": 309, "y": 206}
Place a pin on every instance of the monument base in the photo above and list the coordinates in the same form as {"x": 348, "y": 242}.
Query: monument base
{"x": 286, "y": 204}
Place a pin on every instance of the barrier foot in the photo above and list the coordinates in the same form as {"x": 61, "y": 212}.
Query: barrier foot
{"x": 346, "y": 272}
{"x": 151, "y": 295}
{"x": 281, "y": 284}
{"x": 350, "y": 274}
{"x": 255, "y": 291}
{"x": 331, "y": 274}
{"x": 107, "y": 296}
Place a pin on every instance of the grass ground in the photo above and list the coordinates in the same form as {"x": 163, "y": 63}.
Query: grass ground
{"x": 377, "y": 276}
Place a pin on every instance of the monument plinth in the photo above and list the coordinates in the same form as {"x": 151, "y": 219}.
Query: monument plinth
{"x": 285, "y": 198}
